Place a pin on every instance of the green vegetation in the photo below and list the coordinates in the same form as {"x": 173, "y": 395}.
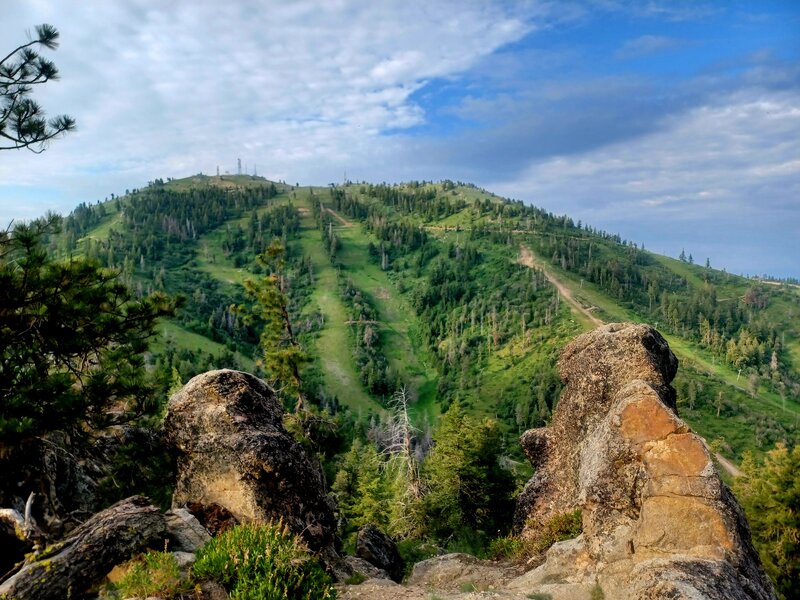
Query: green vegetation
{"x": 770, "y": 495}
{"x": 263, "y": 562}
{"x": 151, "y": 574}
{"x": 468, "y": 491}
{"x": 446, "y": 293}
{"x": 73, "y": 338}
{"x": 22, "y": 120}
{"x": 558, "y": 528}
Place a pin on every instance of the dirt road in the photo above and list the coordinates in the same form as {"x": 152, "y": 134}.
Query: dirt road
{"x": 527, "y": 258}
{"x": 340, "y": 218}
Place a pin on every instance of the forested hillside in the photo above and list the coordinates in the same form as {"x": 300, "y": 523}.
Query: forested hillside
{"x": 443, "y": 289}
{"x": 411, "y": 332}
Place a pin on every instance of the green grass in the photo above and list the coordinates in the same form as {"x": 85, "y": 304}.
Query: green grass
{"x": 396, "y": 316}
{"x": 102, "y": 229}
{"x": 193, "y": 341}
{"x": 332, "y": 345}
{"x": 263, "y": 562}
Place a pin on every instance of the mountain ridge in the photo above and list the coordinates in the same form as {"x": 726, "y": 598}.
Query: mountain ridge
{"x": 379, "y": 238}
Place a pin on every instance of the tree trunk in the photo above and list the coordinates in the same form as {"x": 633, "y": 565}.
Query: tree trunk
{"x": 68, "y": 569}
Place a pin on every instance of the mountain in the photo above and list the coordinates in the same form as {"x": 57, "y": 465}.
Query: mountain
{"x": 448, "y": 290}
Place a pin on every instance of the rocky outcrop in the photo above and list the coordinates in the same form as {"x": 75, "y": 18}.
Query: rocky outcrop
{"x": 379, "y": 549}
{"x": 657, "y": 520}
{"x": 232, "y": 450}
{"x": 451, "y": 572}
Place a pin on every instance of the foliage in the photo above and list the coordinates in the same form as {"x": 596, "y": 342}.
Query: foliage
{"x": 22, "y": 120}
{"x": 283, "y": 354}
{"x": 557, "y": 528}
{"x": 72, "y": 339}
{"x": 466, "y": 486}
{"x": 770, "y": 495}
{"x": 381, "y": 488}
{"x": 361, "y": 488}
{"x": 263, "y": 562}
{"x": 141, "y": 464}
{"x": 151, "y": 574}
{"x": 597, "y": 592}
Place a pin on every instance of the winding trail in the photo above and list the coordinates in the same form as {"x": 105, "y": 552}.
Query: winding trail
{"x": 527, "y": 258}
{"x": 339, "y": 217}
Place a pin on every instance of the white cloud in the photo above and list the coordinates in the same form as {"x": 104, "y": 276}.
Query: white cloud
{"x": 300, "y": 88}
{"x": 731, "y": 164}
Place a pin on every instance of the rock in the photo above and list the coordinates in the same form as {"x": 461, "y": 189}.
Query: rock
{"x": 359, "y": 566}
{"x": 70, "y": 568}
{"x": 376, "y": 547}
{"x": 185, "y": 532}
{"x": 657, "y": 518}
{"x": 211, "y": 590}
{"x": 184, "y": 560}
{"x": 454, "y": 571}
{"x": 232, "y": 450}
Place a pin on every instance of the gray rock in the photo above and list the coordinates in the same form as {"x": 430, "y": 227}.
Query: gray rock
{"x": 374, "y": 546}
{"x": 452, "y": 571}
{"x": 364, "y": 568}
{"x": 226, "y": 428}
{"x": 185, "y": 532}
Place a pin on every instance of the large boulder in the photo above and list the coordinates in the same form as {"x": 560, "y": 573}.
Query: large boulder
{"x": 658, "y": 522}
{"x": 232, "y": 450}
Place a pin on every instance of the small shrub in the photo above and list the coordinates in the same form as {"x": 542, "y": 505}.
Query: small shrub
{"x": 152, "y": 574}
{"x": 263, "y": 562}
{"x": 413, "y": 551}
{"x": 467, "y": 587}
{"x": 597, "y": 592}
{"x": 356, "y": 579}
{"x": 555, "y": 529}
{"x": 505, "y": 547}
{"x": 540, "y": 596}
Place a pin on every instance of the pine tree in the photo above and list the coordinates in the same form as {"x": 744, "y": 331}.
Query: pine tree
{"x": 466, "y": 486}
{"x": 360, "y": 487}
{"x": 72, "y": 340}
{"x": 22, "y": 120}
{"x": 770, "y": 495}
{"x": 284, "y": 357}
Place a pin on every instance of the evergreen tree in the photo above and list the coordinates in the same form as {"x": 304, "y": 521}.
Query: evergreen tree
{"x": 360, "y": 487}
{"x": 72, "y": 340}
{"x": 770, "y": 495}
{"x": 466, "y": 485}
{"x": 22, "y": 120}
{"x": 283, "y": 354}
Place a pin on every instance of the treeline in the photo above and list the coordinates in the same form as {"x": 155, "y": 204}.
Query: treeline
{"x": 473, "y": 303}
{"x": 374, "y": 371}
{"x": 734, "y": 328}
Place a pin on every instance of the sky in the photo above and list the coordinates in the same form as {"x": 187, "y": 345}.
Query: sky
{"x": 675, "y": 124}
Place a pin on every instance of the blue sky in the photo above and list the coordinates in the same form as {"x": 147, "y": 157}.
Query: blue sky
{"x": 675, "y": 124}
